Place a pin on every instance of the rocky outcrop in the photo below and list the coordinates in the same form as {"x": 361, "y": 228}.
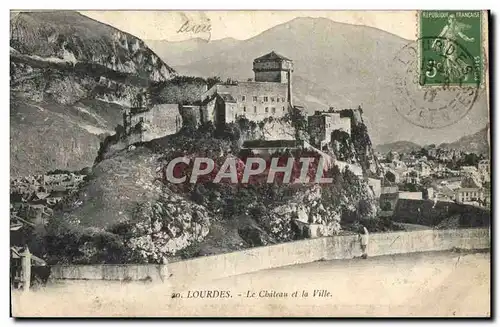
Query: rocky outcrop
{"x": 59, "y": 61}
{"x": 343, "y": 148}
{"x": 166, "y": 226}
{"x": 71, "y": 38}
{"x": 347, "y": 199}
{"x": 267, "y": 129}
{"x": 358, "y": 148}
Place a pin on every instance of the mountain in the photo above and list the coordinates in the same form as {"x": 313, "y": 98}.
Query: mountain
{"x": 192, "y": 50}
{"x": 335, "y": 64}
{"x": 70, "y": 78}
{"x": 477, "y": 143}
{"x": 398, "y": 146}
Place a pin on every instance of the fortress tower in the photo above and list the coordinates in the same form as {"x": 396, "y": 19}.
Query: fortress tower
{"x": 276, "y": 68}
{"x": 269, "y": 95}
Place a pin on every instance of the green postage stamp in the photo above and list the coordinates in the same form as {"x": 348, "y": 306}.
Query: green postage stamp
{"x": 451, "y": 52}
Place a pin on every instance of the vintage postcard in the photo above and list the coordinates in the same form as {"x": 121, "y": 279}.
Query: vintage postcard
{"x": 250, "y": 164}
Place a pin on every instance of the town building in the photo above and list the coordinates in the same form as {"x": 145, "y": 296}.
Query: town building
{"x": 423, "y": 168}
{"x": 410, "y": 195}
{"x": 468, "y": 170}
{"x": 388, "y": 200}
{"x": 469, "y": 194}
{"x": 269, "y": 95}
{"x": 484, "y": 166}
{"x": 484, "y": 170}
{"x": 411, "y": 176}
{"x": 393, "y": 155}
{"x": 430, "y": 195}
{"x": 432, "y": 152}
{"x": 470, "y": 190}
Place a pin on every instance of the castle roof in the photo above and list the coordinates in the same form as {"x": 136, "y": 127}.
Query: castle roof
{"x": 272, "y": 56}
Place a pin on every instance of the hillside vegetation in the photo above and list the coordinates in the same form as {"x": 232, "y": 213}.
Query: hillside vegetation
{"x": 128, "y": 204}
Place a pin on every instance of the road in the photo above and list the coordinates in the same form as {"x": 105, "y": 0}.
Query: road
{"x": 425, "y": 284}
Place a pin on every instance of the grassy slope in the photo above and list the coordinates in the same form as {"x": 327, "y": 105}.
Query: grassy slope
{"x": 47, "y": 135}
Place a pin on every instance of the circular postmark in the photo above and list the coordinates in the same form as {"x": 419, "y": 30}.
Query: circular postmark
{"x": 437, "y": 87}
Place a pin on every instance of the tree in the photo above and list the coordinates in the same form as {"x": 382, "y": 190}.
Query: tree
{"x": 385, "y": 206}
{"x": 364, "y": 209}
{"x": 211, "y": 81}
{"x": 298, "y": 121}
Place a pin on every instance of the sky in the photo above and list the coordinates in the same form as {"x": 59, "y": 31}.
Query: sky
{"x": 241, "y": 25}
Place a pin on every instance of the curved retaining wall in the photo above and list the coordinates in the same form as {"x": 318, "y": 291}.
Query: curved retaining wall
{"x": 291, "y": 253}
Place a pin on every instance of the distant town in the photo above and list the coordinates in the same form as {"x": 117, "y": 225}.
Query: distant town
{"x": 34, "y": 197}
{"x": 436, "y": 174}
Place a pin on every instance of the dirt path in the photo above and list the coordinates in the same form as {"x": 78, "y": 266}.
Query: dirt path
{"x": 426, "y": 284}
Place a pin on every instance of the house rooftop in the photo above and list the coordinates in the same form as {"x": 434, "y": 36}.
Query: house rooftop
{"x": 272, "y": 56}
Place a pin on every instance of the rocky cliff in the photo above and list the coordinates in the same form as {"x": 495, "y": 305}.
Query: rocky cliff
{"x": 70, "y": 38}
{"x": 70, "y": 78}
{"x": 356, "y": 148}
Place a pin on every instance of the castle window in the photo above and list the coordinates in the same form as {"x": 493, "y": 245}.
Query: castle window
{"x": 244, "y": 109}
{"x": 254, "y": 99}
{"x": 267, "y": 110}
{"x": 272, "y": 99}
{"x": 266, "y": 99}
{"x": 273, "y": 109}
{"x": 283, "y": 109}
{"x": 254, "y": 109}
{"x": 243, "y": 98}
{"x": 277, "y": 99}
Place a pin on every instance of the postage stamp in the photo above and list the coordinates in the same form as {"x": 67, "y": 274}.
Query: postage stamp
{"x": 450, "y": 44}
{"x": 436, "y": 105}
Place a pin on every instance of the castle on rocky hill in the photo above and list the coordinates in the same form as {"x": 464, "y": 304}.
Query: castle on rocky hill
{"x": 269, "y": 95}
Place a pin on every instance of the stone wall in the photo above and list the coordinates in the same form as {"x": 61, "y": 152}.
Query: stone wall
{"x": 284, "y": 254}
{"x": 325, "y": 248}
{"x": 110, "y": 272}
{"x": 159, "y": 121}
